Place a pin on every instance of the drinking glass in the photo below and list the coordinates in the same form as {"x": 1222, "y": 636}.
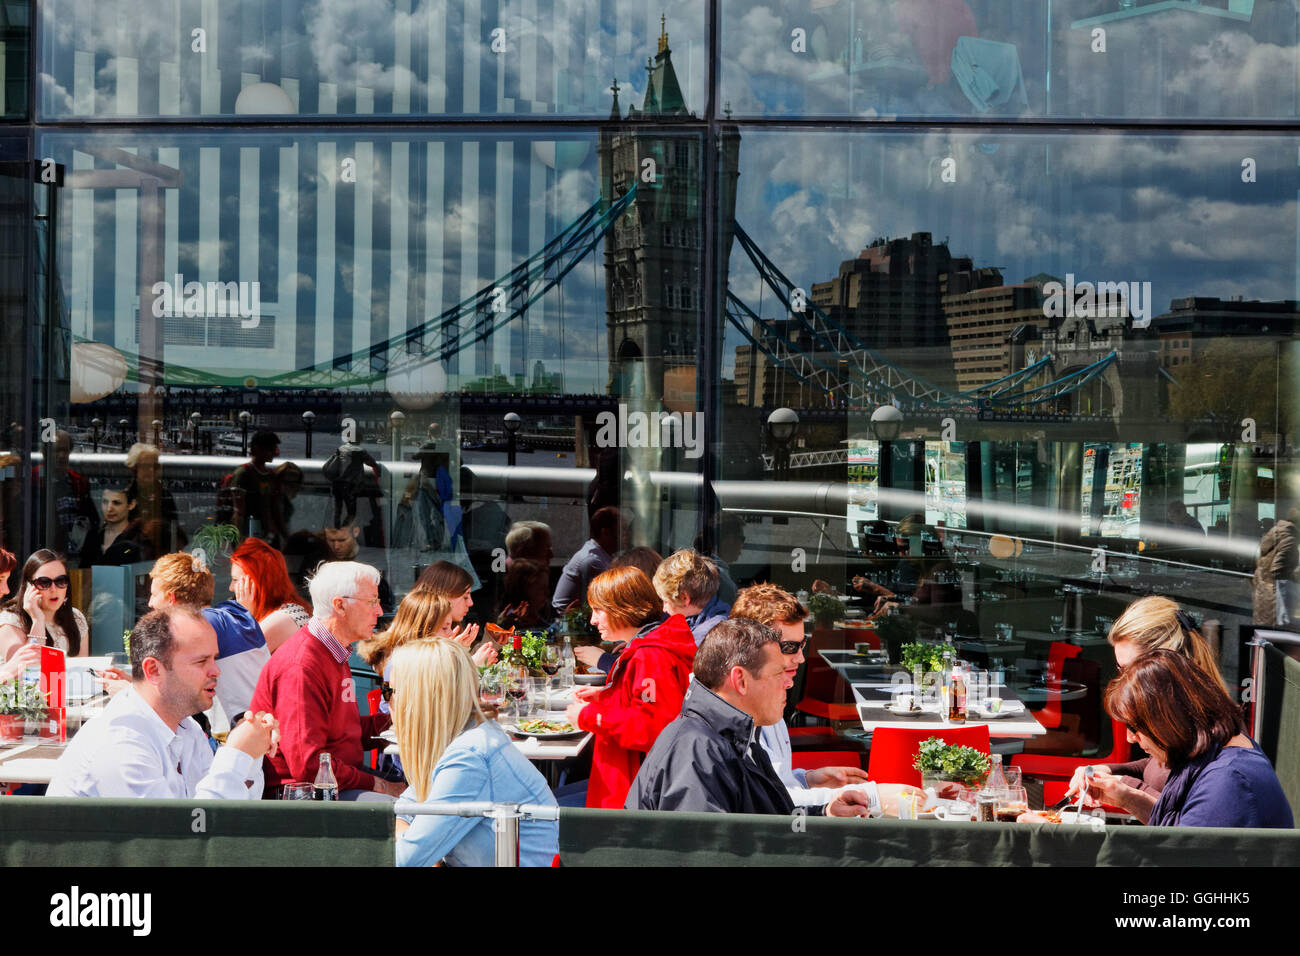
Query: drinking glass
{"x": 1014, "y": 776}
{"x": 297, "y": 791}
{"x": 551, "y": 663}
{"x": 1003, "y": 632}
{"x": 1057, "y": 622}
{"x": 1011, "y": 802}
{"x": 539, "y": 695}
{"x": 491, "y": 688}
{"x": 515, "y": 682}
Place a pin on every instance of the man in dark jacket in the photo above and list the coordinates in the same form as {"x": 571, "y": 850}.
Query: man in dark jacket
{"x": 709, "y": 758}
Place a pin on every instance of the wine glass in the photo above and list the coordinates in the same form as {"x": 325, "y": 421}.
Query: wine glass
{"x": 551, "y": 660}
{"x": 515, "y": 682}
{"x": 491, "y": 688}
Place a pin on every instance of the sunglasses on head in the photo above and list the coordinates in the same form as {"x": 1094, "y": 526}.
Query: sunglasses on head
{"x": 44, "y": 584}
{"x": 792, "y": 647}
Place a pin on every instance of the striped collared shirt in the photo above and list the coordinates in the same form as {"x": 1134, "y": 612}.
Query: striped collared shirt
{"x": 339, "y": 652}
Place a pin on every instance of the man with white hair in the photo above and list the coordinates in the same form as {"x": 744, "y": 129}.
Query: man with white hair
{"x": 529, "y": 540}
{"x": 308, "y": 685}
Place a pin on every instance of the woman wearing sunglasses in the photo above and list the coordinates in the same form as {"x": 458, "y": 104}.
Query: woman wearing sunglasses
{"x": 41, "y": 610}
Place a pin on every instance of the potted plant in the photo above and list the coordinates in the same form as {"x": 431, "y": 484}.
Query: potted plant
{"x": 577, "y": 621}
{"x": 941, "y": 765}
{"x": 215, "y": 540}
{"x": 20, "y": 704}
{"x": 921, "y": 656}
{"x": 826, "y": 609}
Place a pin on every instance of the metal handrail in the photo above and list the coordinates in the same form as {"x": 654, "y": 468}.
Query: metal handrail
{"x": 1262, "y": 638}
{"x": 505, "y": 819}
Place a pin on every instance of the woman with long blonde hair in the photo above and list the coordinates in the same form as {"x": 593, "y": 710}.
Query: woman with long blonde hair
{"x": 1149, "y": 624}
{"x": 421, "y": 615}
{"x": 452, "y": 753}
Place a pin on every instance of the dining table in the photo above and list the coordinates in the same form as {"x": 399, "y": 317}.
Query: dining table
{"x": 874, "y": 684}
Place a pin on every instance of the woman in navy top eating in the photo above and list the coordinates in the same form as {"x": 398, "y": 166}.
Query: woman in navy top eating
{"x": 1183, "y": 718}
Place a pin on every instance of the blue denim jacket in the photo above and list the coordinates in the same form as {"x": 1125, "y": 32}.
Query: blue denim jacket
{"x": 480, "y": 764}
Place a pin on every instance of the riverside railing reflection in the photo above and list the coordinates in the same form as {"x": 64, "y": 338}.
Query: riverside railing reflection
{"x": 1033, "y": 525}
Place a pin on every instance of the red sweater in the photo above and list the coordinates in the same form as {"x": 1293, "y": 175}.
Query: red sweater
{"x": 314, "y": 698}
{"x": 643, "y": 696}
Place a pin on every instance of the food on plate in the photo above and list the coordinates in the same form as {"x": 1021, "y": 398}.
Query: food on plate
{"x": 540, "y": 726}
{"x": 1039, "y": 816}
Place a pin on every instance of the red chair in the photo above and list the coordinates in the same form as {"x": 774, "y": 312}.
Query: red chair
{"x": 373, "y": 697}
{"x": 1062, "y": 768}
{"x": 1057, "y": 655}
{"x": 894, "y": 748}
{"x": 815, "y": 759}
{"x": 824, "y": 693}
{"x": 811, "y": 732}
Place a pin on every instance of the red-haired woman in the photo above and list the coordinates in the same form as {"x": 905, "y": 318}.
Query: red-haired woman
{"x": 646, "y": 685}
{"x": 1184, "y": 718}
{"x": 260, "y": 582}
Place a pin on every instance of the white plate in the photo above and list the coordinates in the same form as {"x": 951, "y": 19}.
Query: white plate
{"x": 560, "y": 735}
{"x": 893, "y": 708}
{"x": 1010, "y": 708}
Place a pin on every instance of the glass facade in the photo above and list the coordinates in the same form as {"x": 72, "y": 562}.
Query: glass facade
{"x": 1037, "y": 365}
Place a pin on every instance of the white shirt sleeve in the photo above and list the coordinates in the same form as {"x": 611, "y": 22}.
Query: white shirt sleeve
{"x": 129, "y": 767}
{"x": 225, "y": 779}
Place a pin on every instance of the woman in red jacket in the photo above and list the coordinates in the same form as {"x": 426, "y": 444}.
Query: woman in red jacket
{"x": 646, "y": 685}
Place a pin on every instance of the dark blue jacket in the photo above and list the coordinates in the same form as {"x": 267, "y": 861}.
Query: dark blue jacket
{"x": 1230, "y": 787}
{"x": 699, "y": 763}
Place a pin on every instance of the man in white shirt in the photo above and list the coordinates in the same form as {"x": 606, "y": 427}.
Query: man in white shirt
{"x": 146, "y": 743}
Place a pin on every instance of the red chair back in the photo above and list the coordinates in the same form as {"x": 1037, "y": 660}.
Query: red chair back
{"x": 1057, "y": 655}
{"x": 1049, "y": 765}
{"x": 894, "y": 748}
{"x": 373, "y": 697}
{"x": 814, "y": 759}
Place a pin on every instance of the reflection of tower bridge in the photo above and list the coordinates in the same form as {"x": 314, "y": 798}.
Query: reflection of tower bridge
{"x": 850, "y": 374}
{"x": 837, "y": 365}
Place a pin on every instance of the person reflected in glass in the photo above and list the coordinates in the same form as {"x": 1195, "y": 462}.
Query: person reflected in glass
{"x": 526, "y": 596}
{"x": 345, "y": 471}
{"x": 453, "y": 754}
{"x": 1275, "y": 592}
{"x": 421, "y": 521}
{"x": 155, "y": 506}
{"x": 608, "y": 530}
{"x": 77, "y": 519}
{"x": 41, "y": 611}
{"x": 255, "y": 494}
{"x": 1218, "y": 776}
{"x": 122, "y": 538}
